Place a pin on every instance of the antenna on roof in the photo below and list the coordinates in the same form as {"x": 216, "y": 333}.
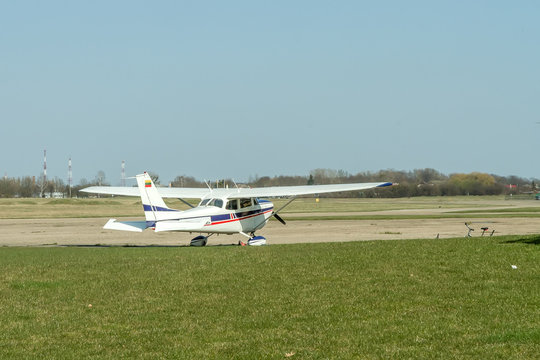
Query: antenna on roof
{"x": 123, "y": 176}
{"x": 207, "y": 184}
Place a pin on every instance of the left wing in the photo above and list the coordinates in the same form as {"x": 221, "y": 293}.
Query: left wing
{"x": 263, "y": 192}
{"x": 188, "y": 193}
{"x": 113, "y": 190}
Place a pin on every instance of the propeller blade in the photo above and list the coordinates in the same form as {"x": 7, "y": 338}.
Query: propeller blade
{"x": 279, "y": 219}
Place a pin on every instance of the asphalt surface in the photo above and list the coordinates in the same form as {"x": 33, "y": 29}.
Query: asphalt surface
{"x": 89, "y": 232}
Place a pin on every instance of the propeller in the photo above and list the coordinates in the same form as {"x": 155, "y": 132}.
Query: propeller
{"x": 279, "y": 218}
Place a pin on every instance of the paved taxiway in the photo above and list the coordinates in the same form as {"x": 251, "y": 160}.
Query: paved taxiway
{"x": 50, "y": 232}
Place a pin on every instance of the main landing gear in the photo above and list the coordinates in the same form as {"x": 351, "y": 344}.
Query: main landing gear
{"x": 202, "y": 240}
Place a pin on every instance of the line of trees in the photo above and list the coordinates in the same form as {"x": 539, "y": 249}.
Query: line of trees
{"x": 30, "y": 187}
{"x": 419, "y": 182}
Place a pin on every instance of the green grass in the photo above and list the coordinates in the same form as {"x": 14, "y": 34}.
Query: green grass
{"x": 75, "y": 208}
{"x": 326, "y": 208}
{"x": 303, "y": 205}
{"x": 478, "y": 215}
{"x": 452, "y": 298}
{"x": 511, "y": 210}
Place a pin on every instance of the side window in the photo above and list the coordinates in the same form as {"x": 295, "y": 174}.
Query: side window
{"x": 232, "y": 204}
{"x": 255, "y": 201}
{"x": 245, "y": 203}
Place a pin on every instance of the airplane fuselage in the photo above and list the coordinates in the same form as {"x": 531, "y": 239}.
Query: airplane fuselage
{"x": 222, "y": 216}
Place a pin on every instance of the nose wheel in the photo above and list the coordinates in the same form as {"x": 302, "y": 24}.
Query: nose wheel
{"x": 253, "y": 239}
{"x": 257, "y": 241}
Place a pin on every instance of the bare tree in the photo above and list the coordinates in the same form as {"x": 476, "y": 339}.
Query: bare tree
{"x": 8, "y": 188}
{"x": 154, "y": 177}
{"x": 42, "y": 185}
{"x": 100, "y": 178}
{"x": 27, "y": 187}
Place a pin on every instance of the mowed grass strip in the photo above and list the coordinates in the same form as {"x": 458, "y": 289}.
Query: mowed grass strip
{"x": 508, "y": 210}
{"x": 452, "y": 298}
{"x": 131, "y": 207}
{"x": 325, "y": 205}
{"x": 75, "y": 208}
{"x": 479, "y": 215}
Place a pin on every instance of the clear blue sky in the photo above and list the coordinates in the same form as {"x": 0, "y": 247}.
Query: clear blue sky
{"x": 217, "y": 89}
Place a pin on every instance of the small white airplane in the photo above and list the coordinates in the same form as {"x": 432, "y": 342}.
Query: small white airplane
{"x": 220, "y": 211}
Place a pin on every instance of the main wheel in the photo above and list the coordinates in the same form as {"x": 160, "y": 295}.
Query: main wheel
{"x": 199, "y": 241}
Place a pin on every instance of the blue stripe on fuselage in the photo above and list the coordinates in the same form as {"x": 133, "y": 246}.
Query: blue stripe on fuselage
{"x": 220, "y": 217}
{"x": 156, "y": 208}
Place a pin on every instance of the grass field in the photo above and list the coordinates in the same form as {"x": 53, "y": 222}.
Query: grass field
{"x": 303, "y": 205}
{"x": 330, "y": 209}
{"x": 452, "y": 298}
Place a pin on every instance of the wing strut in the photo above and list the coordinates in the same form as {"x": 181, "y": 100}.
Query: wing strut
{"x": 275, "y": 213}
{"x": 286, "y": 204}
{"x": 185, "y": 202}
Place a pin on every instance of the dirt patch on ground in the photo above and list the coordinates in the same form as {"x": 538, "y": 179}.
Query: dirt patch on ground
{"x": 49, "y": 232}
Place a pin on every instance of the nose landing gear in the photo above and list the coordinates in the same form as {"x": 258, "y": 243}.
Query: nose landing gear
{"x": 253, "y": 240}
{"x": 257, "y": 241}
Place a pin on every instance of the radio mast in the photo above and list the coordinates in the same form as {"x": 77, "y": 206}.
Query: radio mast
{"x": 70, "y": 177}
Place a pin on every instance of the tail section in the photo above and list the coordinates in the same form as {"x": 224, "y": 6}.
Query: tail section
{"x": 154, "y": 207}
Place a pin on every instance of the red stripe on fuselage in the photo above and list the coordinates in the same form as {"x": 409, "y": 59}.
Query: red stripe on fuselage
{"x": 238, "y": 219}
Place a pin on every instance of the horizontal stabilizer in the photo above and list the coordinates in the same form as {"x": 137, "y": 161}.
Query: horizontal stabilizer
{"x": 181, "y": 225}
{"x": 137, "y": 226}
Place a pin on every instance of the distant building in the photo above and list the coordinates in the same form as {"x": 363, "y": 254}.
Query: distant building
{"x": 55, "y": 195}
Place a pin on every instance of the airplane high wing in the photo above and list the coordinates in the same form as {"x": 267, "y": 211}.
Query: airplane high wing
{"x": 221, "y": 211}
{"x": 236, "y": 193}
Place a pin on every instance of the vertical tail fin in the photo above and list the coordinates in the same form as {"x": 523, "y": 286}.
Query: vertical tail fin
{"x": 154, "y": 207}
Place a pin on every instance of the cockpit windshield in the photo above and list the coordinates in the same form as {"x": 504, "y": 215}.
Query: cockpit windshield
{"x": 216, "y": 202}
{"x": 212, "y": 202}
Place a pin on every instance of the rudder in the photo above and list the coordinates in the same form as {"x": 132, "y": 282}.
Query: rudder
{"x": 153, "y": 205}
